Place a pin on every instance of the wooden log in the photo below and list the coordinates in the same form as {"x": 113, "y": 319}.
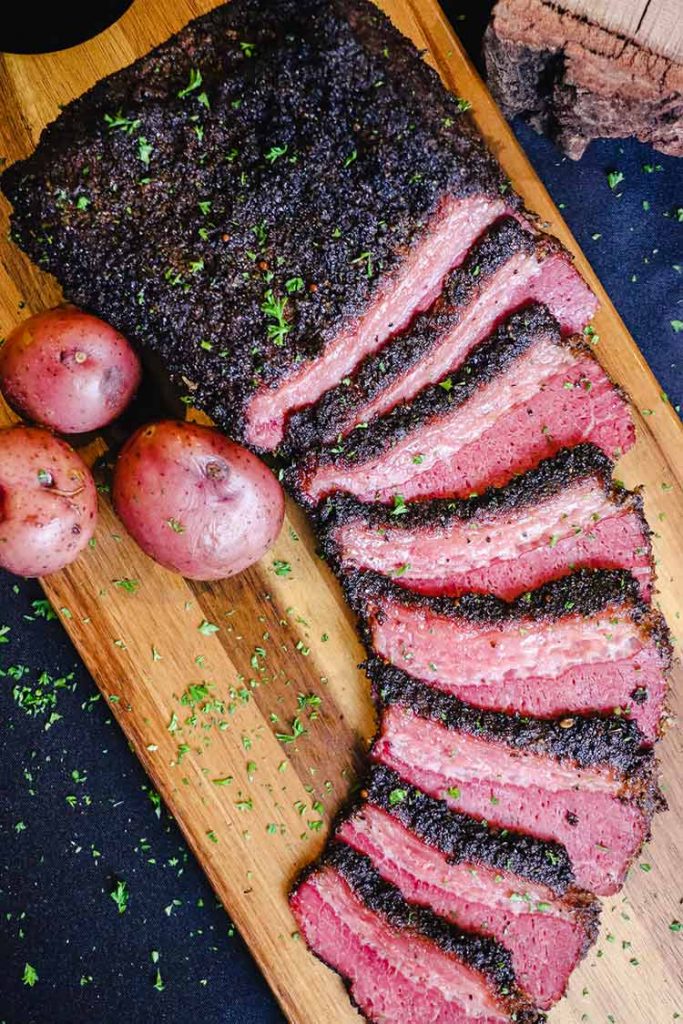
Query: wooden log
{"x": 575, "y": 80}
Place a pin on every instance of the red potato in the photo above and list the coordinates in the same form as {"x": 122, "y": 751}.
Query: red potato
{"x": 48, "y": 502}
{"x": 68, "y": 370}
{"x": 195, "y": 501}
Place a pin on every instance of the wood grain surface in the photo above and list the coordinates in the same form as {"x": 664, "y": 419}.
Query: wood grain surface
{"x": 282, "y": 638}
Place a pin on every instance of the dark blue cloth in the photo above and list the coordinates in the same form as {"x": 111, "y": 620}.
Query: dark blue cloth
{"x": 76, "y": 811}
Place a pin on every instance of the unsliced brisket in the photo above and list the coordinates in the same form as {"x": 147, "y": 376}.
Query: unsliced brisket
{"x": 583, "y": 782}
{"x": 509, "y": 268}
{"x": 462, "y": 870}
{"x": 581, "y": 645}
{"x": 400, "y": 961}
{"x": 566, "y": 514}
{"x": 266, "y": 228}
{"x": 520, "y": 397}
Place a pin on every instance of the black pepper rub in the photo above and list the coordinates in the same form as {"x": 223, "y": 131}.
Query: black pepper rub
{"x": 322, "y": 423}
{"x": 482, "y": 953}
{"x": 551, "y": 477}
{"x": 295, "y": 147}
{"x": 599, "y": 741}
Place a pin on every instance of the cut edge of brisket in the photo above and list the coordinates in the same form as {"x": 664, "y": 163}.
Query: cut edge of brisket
{"x": 343, "y": 521}
{"x": 520, "y": 348}
{"x": 398, "y": 298}
{"x": 527, "y": 918}
{"x": 461, "y": 838}
{"x": 546, "y": 480}
{"x": 625, "y": 679}
{"x": 505, "y": 270}
{"x": 487, "y": 960}
{"x": 606, "y": 742}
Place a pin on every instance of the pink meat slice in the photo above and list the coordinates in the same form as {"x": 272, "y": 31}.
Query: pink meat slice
{"x": 412, "y": 288}
{"x": 510, "y": 553}
{"x": 552, "y": 397}
{"x": 392, "y": 975}
{"x": 585, "y": 809}
{"x": 542, "y": 668}
{"x": 523, "y": 280}
{"x": 543, "y": 933}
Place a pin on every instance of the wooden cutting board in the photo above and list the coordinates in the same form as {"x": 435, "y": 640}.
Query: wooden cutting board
{"x": 283, "y": 659}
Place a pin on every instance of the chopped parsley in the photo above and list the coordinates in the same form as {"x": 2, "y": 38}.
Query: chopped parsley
{"x": 30, "y": 975}
{"x": 275, "y": 152}
{"x": 194, "y": 83}
{"x": 145, "y": 150}
{"x": 298, "y": 730}
{"x": 119, "y": 895}
{"x": 130, "y": 586}
{"x": 400, "y": 508}
{"x": 275, "y": 310}
{"x": 614, "y": 178}
{"x": 124, "y": 124}
{"x": 397, "y": 796}
{"x": 207, "y": 628}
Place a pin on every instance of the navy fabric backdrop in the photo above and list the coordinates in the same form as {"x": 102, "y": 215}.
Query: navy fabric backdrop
{"x": 77, "y": 814}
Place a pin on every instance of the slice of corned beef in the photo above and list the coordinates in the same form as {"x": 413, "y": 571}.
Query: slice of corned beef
{"x": 400, "y": 961}
{"x": 580, "y": 645}
{"x": 564, "y": 515}
{"x": 514, "y": 888}
{"x": 261, "y": 201}
{"x": 582, "y": 782}
{"x": 508, "y": 269}
{"x": 519, "y": 398}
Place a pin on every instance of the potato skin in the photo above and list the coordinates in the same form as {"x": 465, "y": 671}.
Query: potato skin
{"x": 48, "y": 502}
{"x": 195, "y": 501}
{"x": 68, "y": 370}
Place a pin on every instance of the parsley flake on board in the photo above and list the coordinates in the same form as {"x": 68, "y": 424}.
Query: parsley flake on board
{"x": 130, "y": 586}
{"x": 207, "y": 628}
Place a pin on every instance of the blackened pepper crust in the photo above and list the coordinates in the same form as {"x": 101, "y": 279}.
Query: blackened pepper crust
{"x": 584, "y": 592}
{"x": 509, "y": 341}
{"x": 314, "y": 149}
{"x": 463, "y": 839}
{"x": 551, "y": 477}
{"x": 600, "y": 741}
{"x": 321, "y": 423}
{"x": 482, "y": 953}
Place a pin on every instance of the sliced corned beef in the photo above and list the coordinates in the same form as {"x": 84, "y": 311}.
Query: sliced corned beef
{"x": 564, "y": 515}
{"x": 400, "y": 961}
{"x": 508, "y": 269}
{"x": 290, "y": 223}
{"x": 414, "y": 285}
{"x": 582, "y": 782}
{"x": 580, "y": 645}
{"x": 462, "y": 870}
{"x": 521, "y": 397}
